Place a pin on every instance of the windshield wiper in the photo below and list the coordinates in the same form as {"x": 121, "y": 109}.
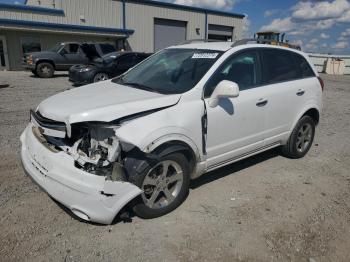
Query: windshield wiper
{"x": 139, "y": 86}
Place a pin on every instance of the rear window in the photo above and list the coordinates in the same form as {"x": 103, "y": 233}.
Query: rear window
{"x": 279, "y": 66}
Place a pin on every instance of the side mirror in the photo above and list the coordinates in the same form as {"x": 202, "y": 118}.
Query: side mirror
{"x": 224, "y": 89}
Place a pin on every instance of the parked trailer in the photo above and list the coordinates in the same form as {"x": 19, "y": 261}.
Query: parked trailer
{"x": 320, "y": 61}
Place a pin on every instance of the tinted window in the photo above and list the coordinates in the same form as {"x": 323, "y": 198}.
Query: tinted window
{"x": 242, "y": 68}
{"x": 279, "y": 66}
{"x": 126, "y": 60}
{"x": 73, "y": 48}
{"x": 107, "y": 48}
{"x": 305, "y": 68}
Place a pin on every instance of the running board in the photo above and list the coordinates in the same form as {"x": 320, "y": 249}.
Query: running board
{"x": 240, "y": 157}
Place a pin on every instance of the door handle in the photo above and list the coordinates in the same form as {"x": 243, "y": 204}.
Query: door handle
{"x": 262, "y": 102}
{"x": 300, "y": 92}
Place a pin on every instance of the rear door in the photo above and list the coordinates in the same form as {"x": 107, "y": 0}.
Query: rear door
{"x": 286, "y": 76}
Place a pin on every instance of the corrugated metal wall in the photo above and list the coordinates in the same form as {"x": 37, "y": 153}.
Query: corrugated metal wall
{"x": 319, "y": 61}
{"x": 228, "y": 21}
{"x": 107, "y": 13}
{"x": 141, "y": 18}
{"x": 103, "y": 13}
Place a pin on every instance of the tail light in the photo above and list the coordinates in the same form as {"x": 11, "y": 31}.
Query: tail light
{"x": 321, "y": 82}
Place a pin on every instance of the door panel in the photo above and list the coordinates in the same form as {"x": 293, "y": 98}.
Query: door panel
{"x": 288, "y": 81}
{"x": 236, "y": 126}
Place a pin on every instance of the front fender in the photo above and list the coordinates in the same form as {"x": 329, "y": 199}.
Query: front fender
{"x": 178, "y": 123}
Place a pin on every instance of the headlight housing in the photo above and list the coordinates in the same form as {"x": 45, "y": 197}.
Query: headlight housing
{"x": 85, "y": 69}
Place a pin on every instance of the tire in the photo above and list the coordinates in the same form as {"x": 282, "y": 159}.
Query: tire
{"x": 45, "y": 70}
{"x": 100, "y": 77}
{"x": 300, "y": 141}
{"x": 162, "y": 191}
{"x": 34, "y": 72}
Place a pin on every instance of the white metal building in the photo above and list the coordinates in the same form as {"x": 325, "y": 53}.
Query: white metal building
{"x": 138, "y": 25}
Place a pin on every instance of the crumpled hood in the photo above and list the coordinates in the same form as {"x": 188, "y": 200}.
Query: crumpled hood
{"x": 104, "y": 101}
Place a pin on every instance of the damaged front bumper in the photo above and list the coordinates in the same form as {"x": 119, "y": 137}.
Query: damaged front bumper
{"x": 90, "y": 197}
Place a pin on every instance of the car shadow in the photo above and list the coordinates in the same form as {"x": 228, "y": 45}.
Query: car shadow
{"x": 233, "y": 168}
{"x": 54, "y": 76}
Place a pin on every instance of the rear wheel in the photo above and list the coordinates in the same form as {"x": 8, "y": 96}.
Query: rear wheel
{"x": 301, "y": 139}
{"x": 45, "y": 70}
{"x": 165, "y": 186}
{"x": 100, "y": 77}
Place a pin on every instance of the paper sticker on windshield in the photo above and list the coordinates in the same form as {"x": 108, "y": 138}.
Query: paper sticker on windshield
{"x": 205, "y": 55}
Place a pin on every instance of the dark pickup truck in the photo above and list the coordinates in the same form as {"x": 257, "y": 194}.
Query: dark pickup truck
{"x": 62, "y": 56}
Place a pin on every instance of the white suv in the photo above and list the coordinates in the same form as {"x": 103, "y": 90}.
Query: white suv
{"x": 189, "y": 109}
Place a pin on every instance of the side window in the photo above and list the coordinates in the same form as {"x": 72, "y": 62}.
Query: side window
{"x": 279, "y": 66}
{"x": 305, "y": 68}
{"x": 71, "y": 48}
{"x": 107, "y": 48}
{"x": 242, "y": 68}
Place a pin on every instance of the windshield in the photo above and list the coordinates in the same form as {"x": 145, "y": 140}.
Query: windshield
{"x": 57, "y": 47}
{"x": 171, "y": 71}
{"x": 107, "y": 58}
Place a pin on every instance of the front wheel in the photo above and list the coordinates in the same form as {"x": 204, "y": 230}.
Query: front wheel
{"x": 100, "y": 77}
{"x": 45, "y": 70}
{"x": 301, "y": 139}
{"x": 165, "y": 186}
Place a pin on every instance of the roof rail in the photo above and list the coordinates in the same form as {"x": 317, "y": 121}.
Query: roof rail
{"x": 264, "y": 41}
{"x": 198, "y": 40}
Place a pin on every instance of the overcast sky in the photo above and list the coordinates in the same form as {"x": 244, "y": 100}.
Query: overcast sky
{"x": 317, "y": 25}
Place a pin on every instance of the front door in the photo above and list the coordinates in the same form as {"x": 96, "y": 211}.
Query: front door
{"x": 72, "y": 55}
{"x": 3, "y": 54}
{"x": 237, "y": 125}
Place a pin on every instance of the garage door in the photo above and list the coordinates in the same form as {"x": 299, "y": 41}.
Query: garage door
{"x": 168, "y": 32}
{"x": 220, "y": 32}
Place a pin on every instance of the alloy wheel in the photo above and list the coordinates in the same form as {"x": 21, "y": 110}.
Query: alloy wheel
{"x": 100, "y": 77}
{"x": 162, "y": 184}
{"x": 304, "y": 137}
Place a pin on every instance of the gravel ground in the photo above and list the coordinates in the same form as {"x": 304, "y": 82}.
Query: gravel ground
{"x": 265, "y": 208}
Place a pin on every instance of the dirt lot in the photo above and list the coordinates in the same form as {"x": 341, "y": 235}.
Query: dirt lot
{"x": 266, "y": 208}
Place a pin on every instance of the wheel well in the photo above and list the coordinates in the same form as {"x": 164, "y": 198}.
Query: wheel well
{"x": 46, "y": 61}
{"x": 178, "y": 146}
{"x": 314, "y": 114}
